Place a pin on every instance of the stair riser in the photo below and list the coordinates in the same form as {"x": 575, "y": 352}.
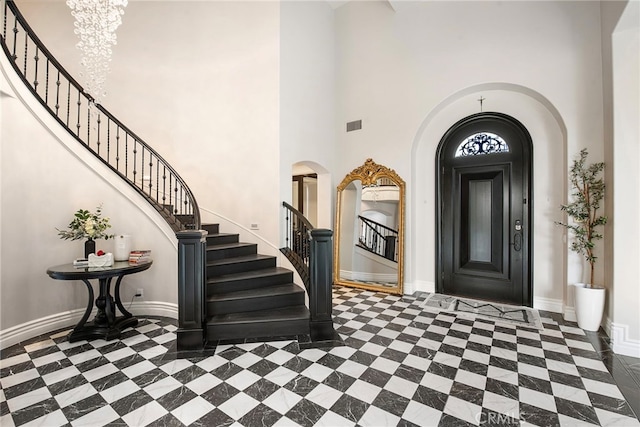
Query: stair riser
{"x": 217, "y": 332}
{"x": 258, "y": 313}
{"x": 246, "y": 284}
{"x": 255, "y": 304}
{"x": 222, "y": 239}
{"x": 215, "y": 254}
{"x": 211, "y": 228}
{"x": 238, "y": 267}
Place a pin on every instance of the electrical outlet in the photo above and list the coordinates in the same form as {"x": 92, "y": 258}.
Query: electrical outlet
{"x": 139, "y": 292}
{"x": 255, "y": 226}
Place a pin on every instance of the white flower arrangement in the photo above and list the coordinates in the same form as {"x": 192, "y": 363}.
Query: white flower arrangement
{"x": 87, "y": 225}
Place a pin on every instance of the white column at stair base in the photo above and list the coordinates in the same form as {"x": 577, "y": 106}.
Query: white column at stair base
{"x": 43, "y": 325}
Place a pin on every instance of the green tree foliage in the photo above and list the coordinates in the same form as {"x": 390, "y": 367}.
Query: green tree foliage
{"x": 587, "y": 192}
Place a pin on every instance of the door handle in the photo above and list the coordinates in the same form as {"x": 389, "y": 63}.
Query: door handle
{"x": 517, "y": 242}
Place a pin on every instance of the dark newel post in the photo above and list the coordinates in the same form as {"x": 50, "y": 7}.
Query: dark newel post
{"x": 191, "y": 286}
{"x": 321, "y": 281}
{"x": 390, "y": 248}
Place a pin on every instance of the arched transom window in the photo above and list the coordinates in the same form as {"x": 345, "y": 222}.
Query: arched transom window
{"x": 482, "y": 143}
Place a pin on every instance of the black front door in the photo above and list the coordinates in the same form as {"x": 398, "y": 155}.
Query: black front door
{"x": 484, "y": 222}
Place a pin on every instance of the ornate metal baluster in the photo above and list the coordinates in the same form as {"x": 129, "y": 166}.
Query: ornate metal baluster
{"x": 164, "y": 185}
{"x": 36, "y": 58}
{"x": 150, "y": 173}
{"x": 14, "y": 56}
{"x": 26, "y": 45}
{"x": 135, "y": 160}
{"x": 126, "y": 155}
{"x": 4, "y": 21}
{"x": 171, "y": 190}
{"x": 46, "y": 85}
{"x": 287, "y": 229}
{"x": 185, "y": 204}
{"x": 178, "y": 201}
{"x": 108, "y": 140}
{"x": 79, "y": 102}
{"x": 118, "y": 149}
{"x": 176, "y": 197}
{"x": 68, "y": 101}
{"x": 88, "y": 126}
{"x": 98, "y": 133}
{"x": 58, "y": 95}
{"x": 142, "y": 170}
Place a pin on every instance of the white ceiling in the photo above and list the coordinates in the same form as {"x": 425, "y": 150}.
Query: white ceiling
{"x": 395, "y": 4}
{"x": 337, "y": 3}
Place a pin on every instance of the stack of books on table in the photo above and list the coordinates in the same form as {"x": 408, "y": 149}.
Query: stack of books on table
{"x": 81, "y": 262}
{"x": 139, "y": 256}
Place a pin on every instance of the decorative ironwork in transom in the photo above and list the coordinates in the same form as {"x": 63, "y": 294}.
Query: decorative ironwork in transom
{"x": 482, "y": 143}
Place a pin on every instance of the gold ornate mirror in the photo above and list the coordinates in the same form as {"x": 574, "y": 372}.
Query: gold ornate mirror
{"x": 369, "y": 234}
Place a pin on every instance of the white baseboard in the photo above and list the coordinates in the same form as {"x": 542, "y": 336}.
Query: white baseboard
{"x": 33, "y": 328}
{"x": 621, "y": 343}
{"x": 548, "y": 304}
{"x": 569, "y": 313}
{"x": 363, "y": 276}
{"x": 43, "y": 325}
{"x": 424, "y": 286}
{"x": 154, "y": 308}
{"x": 408, "y": 288}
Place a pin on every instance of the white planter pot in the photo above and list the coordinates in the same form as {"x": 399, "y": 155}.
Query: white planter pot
{"x": 589, "y": 306}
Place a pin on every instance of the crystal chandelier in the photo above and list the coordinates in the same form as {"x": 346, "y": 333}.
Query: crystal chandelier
{"x": 96, "y": 22}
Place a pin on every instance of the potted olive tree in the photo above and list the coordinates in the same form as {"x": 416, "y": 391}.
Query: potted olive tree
{"x": 584, "y": 221}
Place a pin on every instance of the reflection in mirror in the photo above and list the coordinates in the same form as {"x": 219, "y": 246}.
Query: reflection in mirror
{"x": 369, "y": 238}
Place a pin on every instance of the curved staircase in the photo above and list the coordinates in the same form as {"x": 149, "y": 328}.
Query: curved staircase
{"x": 226, "y": 290}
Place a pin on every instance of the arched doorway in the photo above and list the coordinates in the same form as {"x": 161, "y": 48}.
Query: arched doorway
{"x": 484, "y": 221}
{"x": 317, "y": 192}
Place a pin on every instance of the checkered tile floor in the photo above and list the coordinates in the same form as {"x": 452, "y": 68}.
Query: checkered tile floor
{"x": 400, "y": 365}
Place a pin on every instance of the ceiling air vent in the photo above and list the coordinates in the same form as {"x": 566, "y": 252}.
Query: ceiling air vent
{"x": 357, "y": 125}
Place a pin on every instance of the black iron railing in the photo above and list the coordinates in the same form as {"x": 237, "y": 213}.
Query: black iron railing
{"x": 297, "y": 238}
{"x": 310, "y": 250}
{"x": 98, "y": 130}
{"x": 377, "y": 238}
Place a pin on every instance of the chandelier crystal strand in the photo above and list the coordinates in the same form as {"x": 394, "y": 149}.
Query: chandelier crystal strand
{"x": 96, "y": 22}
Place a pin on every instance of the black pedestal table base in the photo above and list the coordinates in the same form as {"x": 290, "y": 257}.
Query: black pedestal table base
{"x": 106, "y": 324}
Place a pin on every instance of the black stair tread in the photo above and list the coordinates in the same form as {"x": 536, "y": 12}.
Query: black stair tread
{"x": 295, "y": 312}
{"x": 222, "y": 234}
{"x": 252, "y": 274}
{"x": 266, "y": 291}
{"x": 229, "y": 245}
{"x": 237, "y": 259}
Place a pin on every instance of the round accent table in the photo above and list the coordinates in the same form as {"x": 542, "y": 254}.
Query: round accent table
{"x": 106, "y": 324}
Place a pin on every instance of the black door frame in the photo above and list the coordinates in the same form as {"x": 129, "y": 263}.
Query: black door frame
{"x": 527, "y": 147}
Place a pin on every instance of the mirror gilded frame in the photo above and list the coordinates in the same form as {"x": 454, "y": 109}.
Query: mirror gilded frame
{"x": 369, "y": 183}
